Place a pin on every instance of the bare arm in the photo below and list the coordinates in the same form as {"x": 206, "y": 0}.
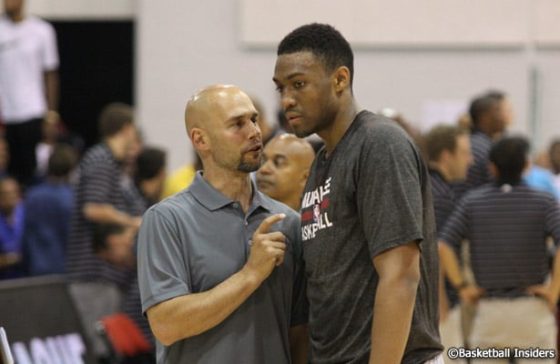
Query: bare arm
{"x": 551, "y": 291}
{"x": 299, "y": 344}
{"x": 189, "y": 315}
{"x": 52, "y": 89}
{"x": 450, "y": 264}
{"x": 399, "y": 274}
{"x": 468, "y": 293}
{"x": 106, "y": 213}
{"x": 443, "y": 301}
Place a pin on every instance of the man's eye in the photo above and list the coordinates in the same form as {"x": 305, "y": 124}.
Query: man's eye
{"x": 279, "y": 89}
{"x": 299, "y": 84}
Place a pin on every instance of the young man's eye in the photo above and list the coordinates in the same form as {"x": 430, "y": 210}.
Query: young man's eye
{"x": 299, "y": 84}
{"x": 279, "y": 89}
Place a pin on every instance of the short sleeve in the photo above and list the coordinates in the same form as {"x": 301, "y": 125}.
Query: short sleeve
{"x": 162, "y": 271}
{"x": 389, "y": 190}
{"x": 456, "y": 226}
{"x": 50, "y": 50}
{"x": 97, "y": 182}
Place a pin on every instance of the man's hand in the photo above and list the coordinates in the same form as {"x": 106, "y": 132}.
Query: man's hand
{"x": 267, "y": 249}
{"x": 470, "y": 294}
{"x": 544, "y": 291}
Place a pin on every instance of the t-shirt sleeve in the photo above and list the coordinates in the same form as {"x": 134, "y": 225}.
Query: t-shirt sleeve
{"x": 162, "y": 270}
{"x": 389, "y": 190}
{"x": 300, "y": 305}
{"x": 49, "y": 55}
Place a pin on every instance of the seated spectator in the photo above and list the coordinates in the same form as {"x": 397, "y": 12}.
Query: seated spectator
{"x": 149, "y": 178}
{"x": 114, "y": 244}
{"x": 11, "y": 228}
{"x": 49, "y": 207}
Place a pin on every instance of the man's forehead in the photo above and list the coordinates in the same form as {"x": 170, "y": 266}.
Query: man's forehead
{"x": 292, "y": 63}
{"x": 237, "y": 107}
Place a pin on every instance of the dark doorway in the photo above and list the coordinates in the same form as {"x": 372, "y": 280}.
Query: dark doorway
{"x": 96, "y": 68}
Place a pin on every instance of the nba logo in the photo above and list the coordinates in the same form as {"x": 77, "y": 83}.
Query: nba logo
{"x": 316, "y": 213}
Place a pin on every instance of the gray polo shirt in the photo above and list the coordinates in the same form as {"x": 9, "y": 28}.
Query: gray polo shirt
{"x": 198, "y": 238}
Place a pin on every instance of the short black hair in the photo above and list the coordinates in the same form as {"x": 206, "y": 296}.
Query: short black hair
{"x": 62, "y": 161}
{"x": 114, "y": 117}
{"x": 149, "y": 163}
{"x": 102, "y": 232}
{"x": 510, "y": 155}
{"x": 483, "y": 104}
{"x": 441, "y": 138}
{"x": 324, "y": 41}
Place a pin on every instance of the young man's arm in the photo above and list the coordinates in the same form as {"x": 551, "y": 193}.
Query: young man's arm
{"x": 192, "y": 314}
{"x": 399, "y": 274}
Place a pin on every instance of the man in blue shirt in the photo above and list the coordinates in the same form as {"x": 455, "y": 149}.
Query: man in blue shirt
{"x": 48, "y": 207}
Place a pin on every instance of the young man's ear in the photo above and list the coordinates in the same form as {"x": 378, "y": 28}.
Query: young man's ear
{"x": 341, "y": 79}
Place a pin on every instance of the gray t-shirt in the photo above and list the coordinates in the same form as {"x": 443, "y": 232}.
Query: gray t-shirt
{"x": 198, "y": 238}
{"x": 370, "y": 195}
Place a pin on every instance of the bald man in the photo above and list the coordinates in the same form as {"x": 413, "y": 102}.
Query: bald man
{"x": 283, "y": 174}
{"x": 220, "y": 263}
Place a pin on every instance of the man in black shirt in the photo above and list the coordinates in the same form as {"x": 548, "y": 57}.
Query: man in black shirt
{"x": 367, "y": 216}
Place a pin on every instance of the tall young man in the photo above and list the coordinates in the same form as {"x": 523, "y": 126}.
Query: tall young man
{"x": 367, "y": 217}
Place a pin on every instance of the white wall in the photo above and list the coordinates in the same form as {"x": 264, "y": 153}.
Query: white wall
{"x": 186, "y": 45}
{"x": 183, "y": 45}
{"x": 82, "y": 9}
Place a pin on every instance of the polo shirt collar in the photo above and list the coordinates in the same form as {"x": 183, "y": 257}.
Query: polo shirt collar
{"x": 213, "y": 199}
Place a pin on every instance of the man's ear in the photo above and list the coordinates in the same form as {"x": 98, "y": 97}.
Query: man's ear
{"x": 341, "y": 79}
{"x": 445, "y": 157}
{"x": 200, "y": 139}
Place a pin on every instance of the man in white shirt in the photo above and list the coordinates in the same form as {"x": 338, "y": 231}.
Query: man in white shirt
{"x": 28, "y": 84}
